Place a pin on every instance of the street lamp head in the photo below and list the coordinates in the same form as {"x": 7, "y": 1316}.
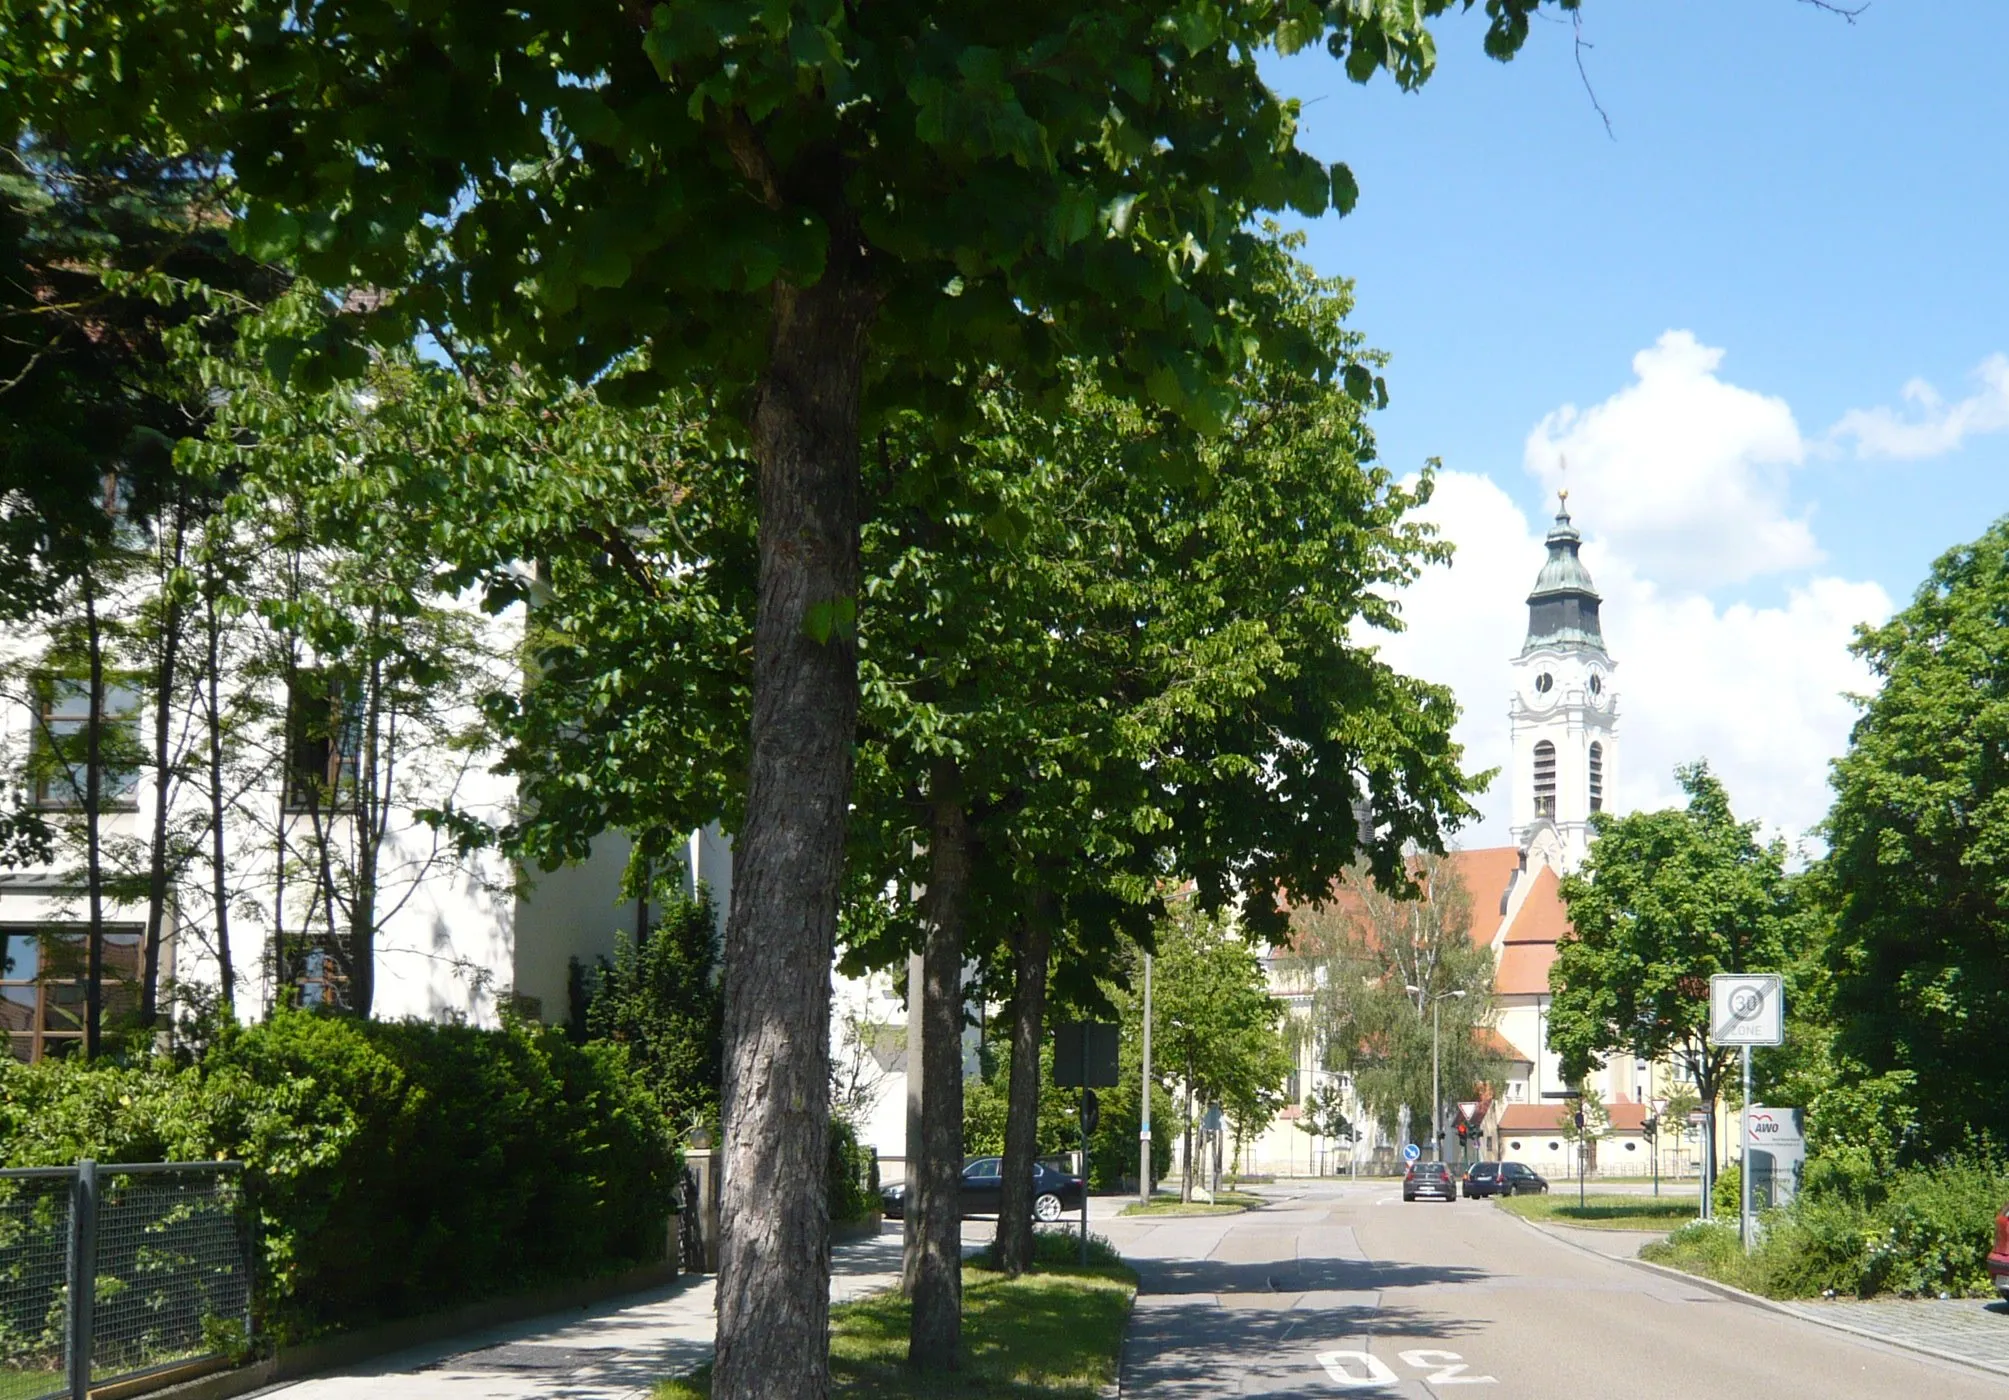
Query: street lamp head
{"x": 1413, "y": 990}
{"x": 1460, "y": 995}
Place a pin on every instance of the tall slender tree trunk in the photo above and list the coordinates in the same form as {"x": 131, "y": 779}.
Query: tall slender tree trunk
{"x": 226, "y": 973}
{"x": 370, "y": 821}
{"x": 172, "y": 621}
{"x": 94, "y": 795}
{"x": 1028, "y": 1019}
{"x": 773, "y": 1294}
{"x": 1186, "y": 1177}
{"x": 934, "y": 1338}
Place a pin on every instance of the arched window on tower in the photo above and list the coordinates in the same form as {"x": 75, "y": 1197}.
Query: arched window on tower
{"x": 1545, "y": 779}
{"x": 1597, "y": 777}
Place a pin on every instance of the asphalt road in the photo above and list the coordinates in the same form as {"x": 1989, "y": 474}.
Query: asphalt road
{"x": 1341, "y": 1289}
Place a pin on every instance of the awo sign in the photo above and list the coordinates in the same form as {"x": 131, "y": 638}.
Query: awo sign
{"x": 1773, "y": 1129}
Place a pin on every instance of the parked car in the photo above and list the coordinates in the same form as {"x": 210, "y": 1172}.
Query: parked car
{"x": 1518, "y": 1179}
{"x": 1482, "y": 1179}
{"x": 1998, "y": 1262}
{"x": 1054, "y": 1192}
{"x": 1428, "y": 1179}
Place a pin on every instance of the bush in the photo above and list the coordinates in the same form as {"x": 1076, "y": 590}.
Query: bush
{"x": 852, "y": 1198}
{"x": 395, "y": 1167}
{"x": 1923, "y": 1230}
{"x": 1726, "y": 1196}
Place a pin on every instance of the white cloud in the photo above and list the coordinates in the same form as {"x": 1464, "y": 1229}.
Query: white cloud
{"x": 1933, "y": 426}
{"x": 1686, "y": 474}
{"x": 1758, "y": 691}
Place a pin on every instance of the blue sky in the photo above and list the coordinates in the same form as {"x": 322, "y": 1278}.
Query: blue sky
{"x": 1820, "y": 207}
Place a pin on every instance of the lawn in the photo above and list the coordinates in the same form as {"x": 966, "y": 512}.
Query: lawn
{"x": 1226, "y": 1203}
{"x": 1049, "y": 1335}
{"x": 1604, "y": 1212}
{"x": 19, "y": 1385}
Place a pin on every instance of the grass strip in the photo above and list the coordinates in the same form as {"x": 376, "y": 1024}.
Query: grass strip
{"x": 1226, "y": 1203}
{"x": 1605, "y": 1212}
{"x": 1054, "y": 1334}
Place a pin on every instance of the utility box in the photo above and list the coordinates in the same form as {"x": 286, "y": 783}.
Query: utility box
{"x": 1775, "y": 1151}
{"x": 1084, "y": 1055}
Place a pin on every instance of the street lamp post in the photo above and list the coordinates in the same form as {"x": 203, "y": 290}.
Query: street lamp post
{"x": 1436, "y": 1089}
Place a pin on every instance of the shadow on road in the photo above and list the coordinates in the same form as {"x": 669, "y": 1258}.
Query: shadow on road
{"x": 1184, "y": 1350}
{"x": 1176, "y": 1276}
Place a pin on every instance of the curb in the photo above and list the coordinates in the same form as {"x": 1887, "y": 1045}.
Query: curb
{"x": 1739, "y": 1295}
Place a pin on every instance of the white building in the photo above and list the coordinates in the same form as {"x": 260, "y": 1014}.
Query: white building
{"x": 457, "y": 934}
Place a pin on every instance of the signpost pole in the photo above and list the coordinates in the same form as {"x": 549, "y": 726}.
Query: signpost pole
{"x": 1144, "y": 1130}
{"x": 1084, "y": 1147}
{"x": 1744, "y": 1158}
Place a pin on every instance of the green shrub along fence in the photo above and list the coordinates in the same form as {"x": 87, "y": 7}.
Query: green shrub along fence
{"x": 394, "y": 1168}
{"x": 1920, "y": 1231}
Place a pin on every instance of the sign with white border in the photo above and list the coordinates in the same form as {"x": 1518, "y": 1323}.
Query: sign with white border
{"x": 1747, "y": 1008}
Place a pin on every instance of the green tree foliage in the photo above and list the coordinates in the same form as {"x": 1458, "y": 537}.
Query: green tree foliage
{"x": 395, "y": 1168}
{"x": 1918, "y": 864}
{"x": 1360, "y": 952}
{"x": 1215, "y": 1029}
{"x": 1666, "y": 900}
{"x": 661, "y": 999}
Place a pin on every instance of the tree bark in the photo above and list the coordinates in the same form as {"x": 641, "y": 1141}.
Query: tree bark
{"x": 1028, "y": 1019}
{"x": 1186, "y": 1176}
{"x": 171, "y": 624}
{"x": 774, "y": 1261}
{"x": 934, "y": 1338}
{"x": 226, "y": 972}
{"x": 94, "y": 795}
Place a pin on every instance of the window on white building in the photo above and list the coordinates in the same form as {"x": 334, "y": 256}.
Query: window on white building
{"x": 62, "y": 740}
{"x": 1597, "y": 777}
{"x": 1545, "y": 779}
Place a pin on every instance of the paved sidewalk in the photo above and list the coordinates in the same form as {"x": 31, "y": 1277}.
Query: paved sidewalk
{"x": 611, "y": 1351}
{"x": 1961, "y": 1329}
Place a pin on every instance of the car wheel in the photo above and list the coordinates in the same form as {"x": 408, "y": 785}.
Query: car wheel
{"x": 1047, "y": 1207}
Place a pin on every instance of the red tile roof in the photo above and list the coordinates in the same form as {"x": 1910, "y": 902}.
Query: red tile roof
{"x": 1533, "y": 1117}
{"x": 1493, "y": 1043}
{"x": 1530, "y": 945}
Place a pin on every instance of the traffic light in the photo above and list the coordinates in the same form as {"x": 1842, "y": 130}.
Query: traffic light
{"x": 1464, "y": 1131}
{"x": 1650, "y": 1129}
{"x": 1578, "y": 1115}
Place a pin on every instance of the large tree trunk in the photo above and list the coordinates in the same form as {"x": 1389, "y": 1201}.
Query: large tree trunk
{"x": 1028, "y": 1019}
{"x": 774, "y": 1259}
{"x": 934, "y": 1338}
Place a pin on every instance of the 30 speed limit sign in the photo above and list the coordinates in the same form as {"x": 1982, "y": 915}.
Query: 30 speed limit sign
{"x": 1747, "y": 1008}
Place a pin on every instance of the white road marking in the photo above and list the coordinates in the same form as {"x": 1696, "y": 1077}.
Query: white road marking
{"x": 1361, "y": 1370}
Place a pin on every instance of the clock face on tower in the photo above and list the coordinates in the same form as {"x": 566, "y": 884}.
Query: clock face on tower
{"x": 1596, "y": 684}
{"x": 1544, "y": 683}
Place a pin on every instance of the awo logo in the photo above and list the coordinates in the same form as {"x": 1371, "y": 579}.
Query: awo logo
{"x": 1764, "y": 1123}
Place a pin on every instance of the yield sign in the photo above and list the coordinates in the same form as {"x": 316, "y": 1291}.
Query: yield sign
{"x": 1469, "y": 1112}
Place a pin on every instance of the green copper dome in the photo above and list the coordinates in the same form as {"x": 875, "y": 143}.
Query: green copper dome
{"x": 1562, "y": 610}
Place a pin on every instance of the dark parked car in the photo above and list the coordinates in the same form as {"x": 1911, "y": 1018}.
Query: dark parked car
{"x": 1998, "y": 1262}
{"x": 1482, "y": 1179}
{"x": 1054, "y": 1192}
{"x": 1428, "y": 1179}
{"x": 1501, "y": 1179}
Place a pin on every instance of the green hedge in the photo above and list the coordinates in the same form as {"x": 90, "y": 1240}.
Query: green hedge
{"x": 395, "y": 1167}
{"x": 1918, "y": 1231}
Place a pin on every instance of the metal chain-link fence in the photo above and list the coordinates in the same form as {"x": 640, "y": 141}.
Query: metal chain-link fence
{"x": 167, "y": 1249}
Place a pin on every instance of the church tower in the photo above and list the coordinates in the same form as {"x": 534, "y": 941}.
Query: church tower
{"x": 1564, "y": 711}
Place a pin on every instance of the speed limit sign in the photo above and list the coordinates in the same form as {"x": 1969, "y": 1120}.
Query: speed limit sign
{"x": 1747, "y": 1008}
